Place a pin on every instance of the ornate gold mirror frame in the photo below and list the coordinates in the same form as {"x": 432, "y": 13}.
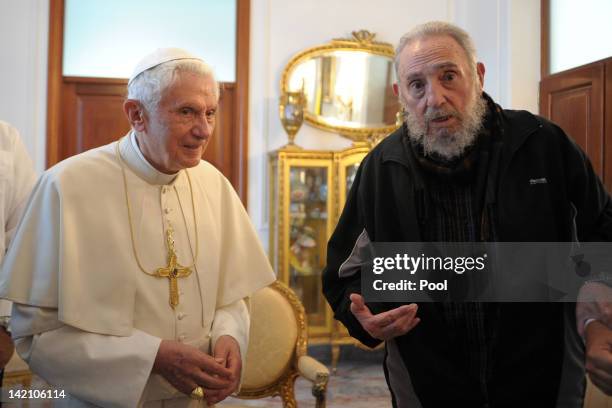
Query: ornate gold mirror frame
{"x": 362, "y": 41}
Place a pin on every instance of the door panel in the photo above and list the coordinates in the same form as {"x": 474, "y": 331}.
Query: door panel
{"x": 574, "y": 100}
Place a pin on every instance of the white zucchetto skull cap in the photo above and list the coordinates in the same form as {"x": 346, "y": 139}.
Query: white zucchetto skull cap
{"x": 160, "y": 56}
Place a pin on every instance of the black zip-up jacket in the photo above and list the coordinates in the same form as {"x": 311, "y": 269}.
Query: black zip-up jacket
{"x": 572, "y": 202}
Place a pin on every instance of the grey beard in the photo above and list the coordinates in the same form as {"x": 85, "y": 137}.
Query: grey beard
{"x": 449, "y": 145}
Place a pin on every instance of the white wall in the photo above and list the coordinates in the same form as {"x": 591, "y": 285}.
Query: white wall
{"x": 506, "y": 33}
{"x": 507, "y": 36}
{"x": 24, "y": 27}
{"x": 523, "y": 51}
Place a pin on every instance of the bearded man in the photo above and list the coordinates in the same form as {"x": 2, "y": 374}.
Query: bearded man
{"x": 459, "y": 170}
{"x": 131, "y": 267}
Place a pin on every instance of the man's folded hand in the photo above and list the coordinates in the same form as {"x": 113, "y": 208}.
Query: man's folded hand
{"x": 186, "y": 367}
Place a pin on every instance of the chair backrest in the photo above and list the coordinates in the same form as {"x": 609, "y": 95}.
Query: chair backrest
{"x": 277, "y": 338}
{"x": 595, "y": 398}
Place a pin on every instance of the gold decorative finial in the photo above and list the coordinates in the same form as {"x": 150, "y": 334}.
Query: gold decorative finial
{"x": 363, "y": 36}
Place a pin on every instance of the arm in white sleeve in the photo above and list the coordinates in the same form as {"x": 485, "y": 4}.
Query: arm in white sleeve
{"x": 105, "y": 370}
{"x": 233, "y": 320}
{"x": 5, "y": 307}
{"x": 22, "y": 182}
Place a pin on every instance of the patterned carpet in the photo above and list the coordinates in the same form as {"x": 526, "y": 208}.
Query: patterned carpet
{"x": 358, "y": 383}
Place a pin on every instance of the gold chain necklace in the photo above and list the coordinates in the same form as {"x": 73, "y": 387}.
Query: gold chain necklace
{"x": 173, "y": 270}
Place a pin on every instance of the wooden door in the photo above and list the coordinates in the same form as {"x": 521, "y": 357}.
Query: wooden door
{"x": 84, "y": 113}
{"x": 574, "y": 100}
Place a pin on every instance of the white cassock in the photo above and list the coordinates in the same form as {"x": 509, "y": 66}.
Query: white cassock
{"x": 17, "y": 177}
{"x": 86, "y": 318}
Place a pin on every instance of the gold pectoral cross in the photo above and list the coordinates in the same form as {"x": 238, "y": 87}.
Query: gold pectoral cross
{"x": 173, "y": 271}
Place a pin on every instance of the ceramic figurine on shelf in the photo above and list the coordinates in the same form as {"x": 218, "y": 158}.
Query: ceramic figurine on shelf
{"x": 313, "y": 194}
{"x": 299, "y": 191}
{"x": 303, "y": 251}
{"x": 323, "y": 192}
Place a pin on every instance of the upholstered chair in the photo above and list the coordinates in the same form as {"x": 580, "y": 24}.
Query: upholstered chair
{"x": 595, "y": 398}
{"x": 277, "y": 349}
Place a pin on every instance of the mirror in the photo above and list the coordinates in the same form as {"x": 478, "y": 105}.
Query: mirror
{"x": 347, "y": 85}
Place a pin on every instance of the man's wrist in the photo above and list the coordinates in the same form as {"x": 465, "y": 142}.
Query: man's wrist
{"x": 585, "y": 324}
{"x": 588, "y": 321}
{"x": 594, "y": 327}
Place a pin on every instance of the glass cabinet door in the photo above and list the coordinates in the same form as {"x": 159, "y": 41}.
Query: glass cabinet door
{"x": 308, "y": 226}
{"x": 347, "y": 164}
{"x": 351, "y": 172}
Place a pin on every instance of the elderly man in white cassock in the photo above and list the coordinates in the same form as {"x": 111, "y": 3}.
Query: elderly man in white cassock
{"x": 132, "y": 266}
